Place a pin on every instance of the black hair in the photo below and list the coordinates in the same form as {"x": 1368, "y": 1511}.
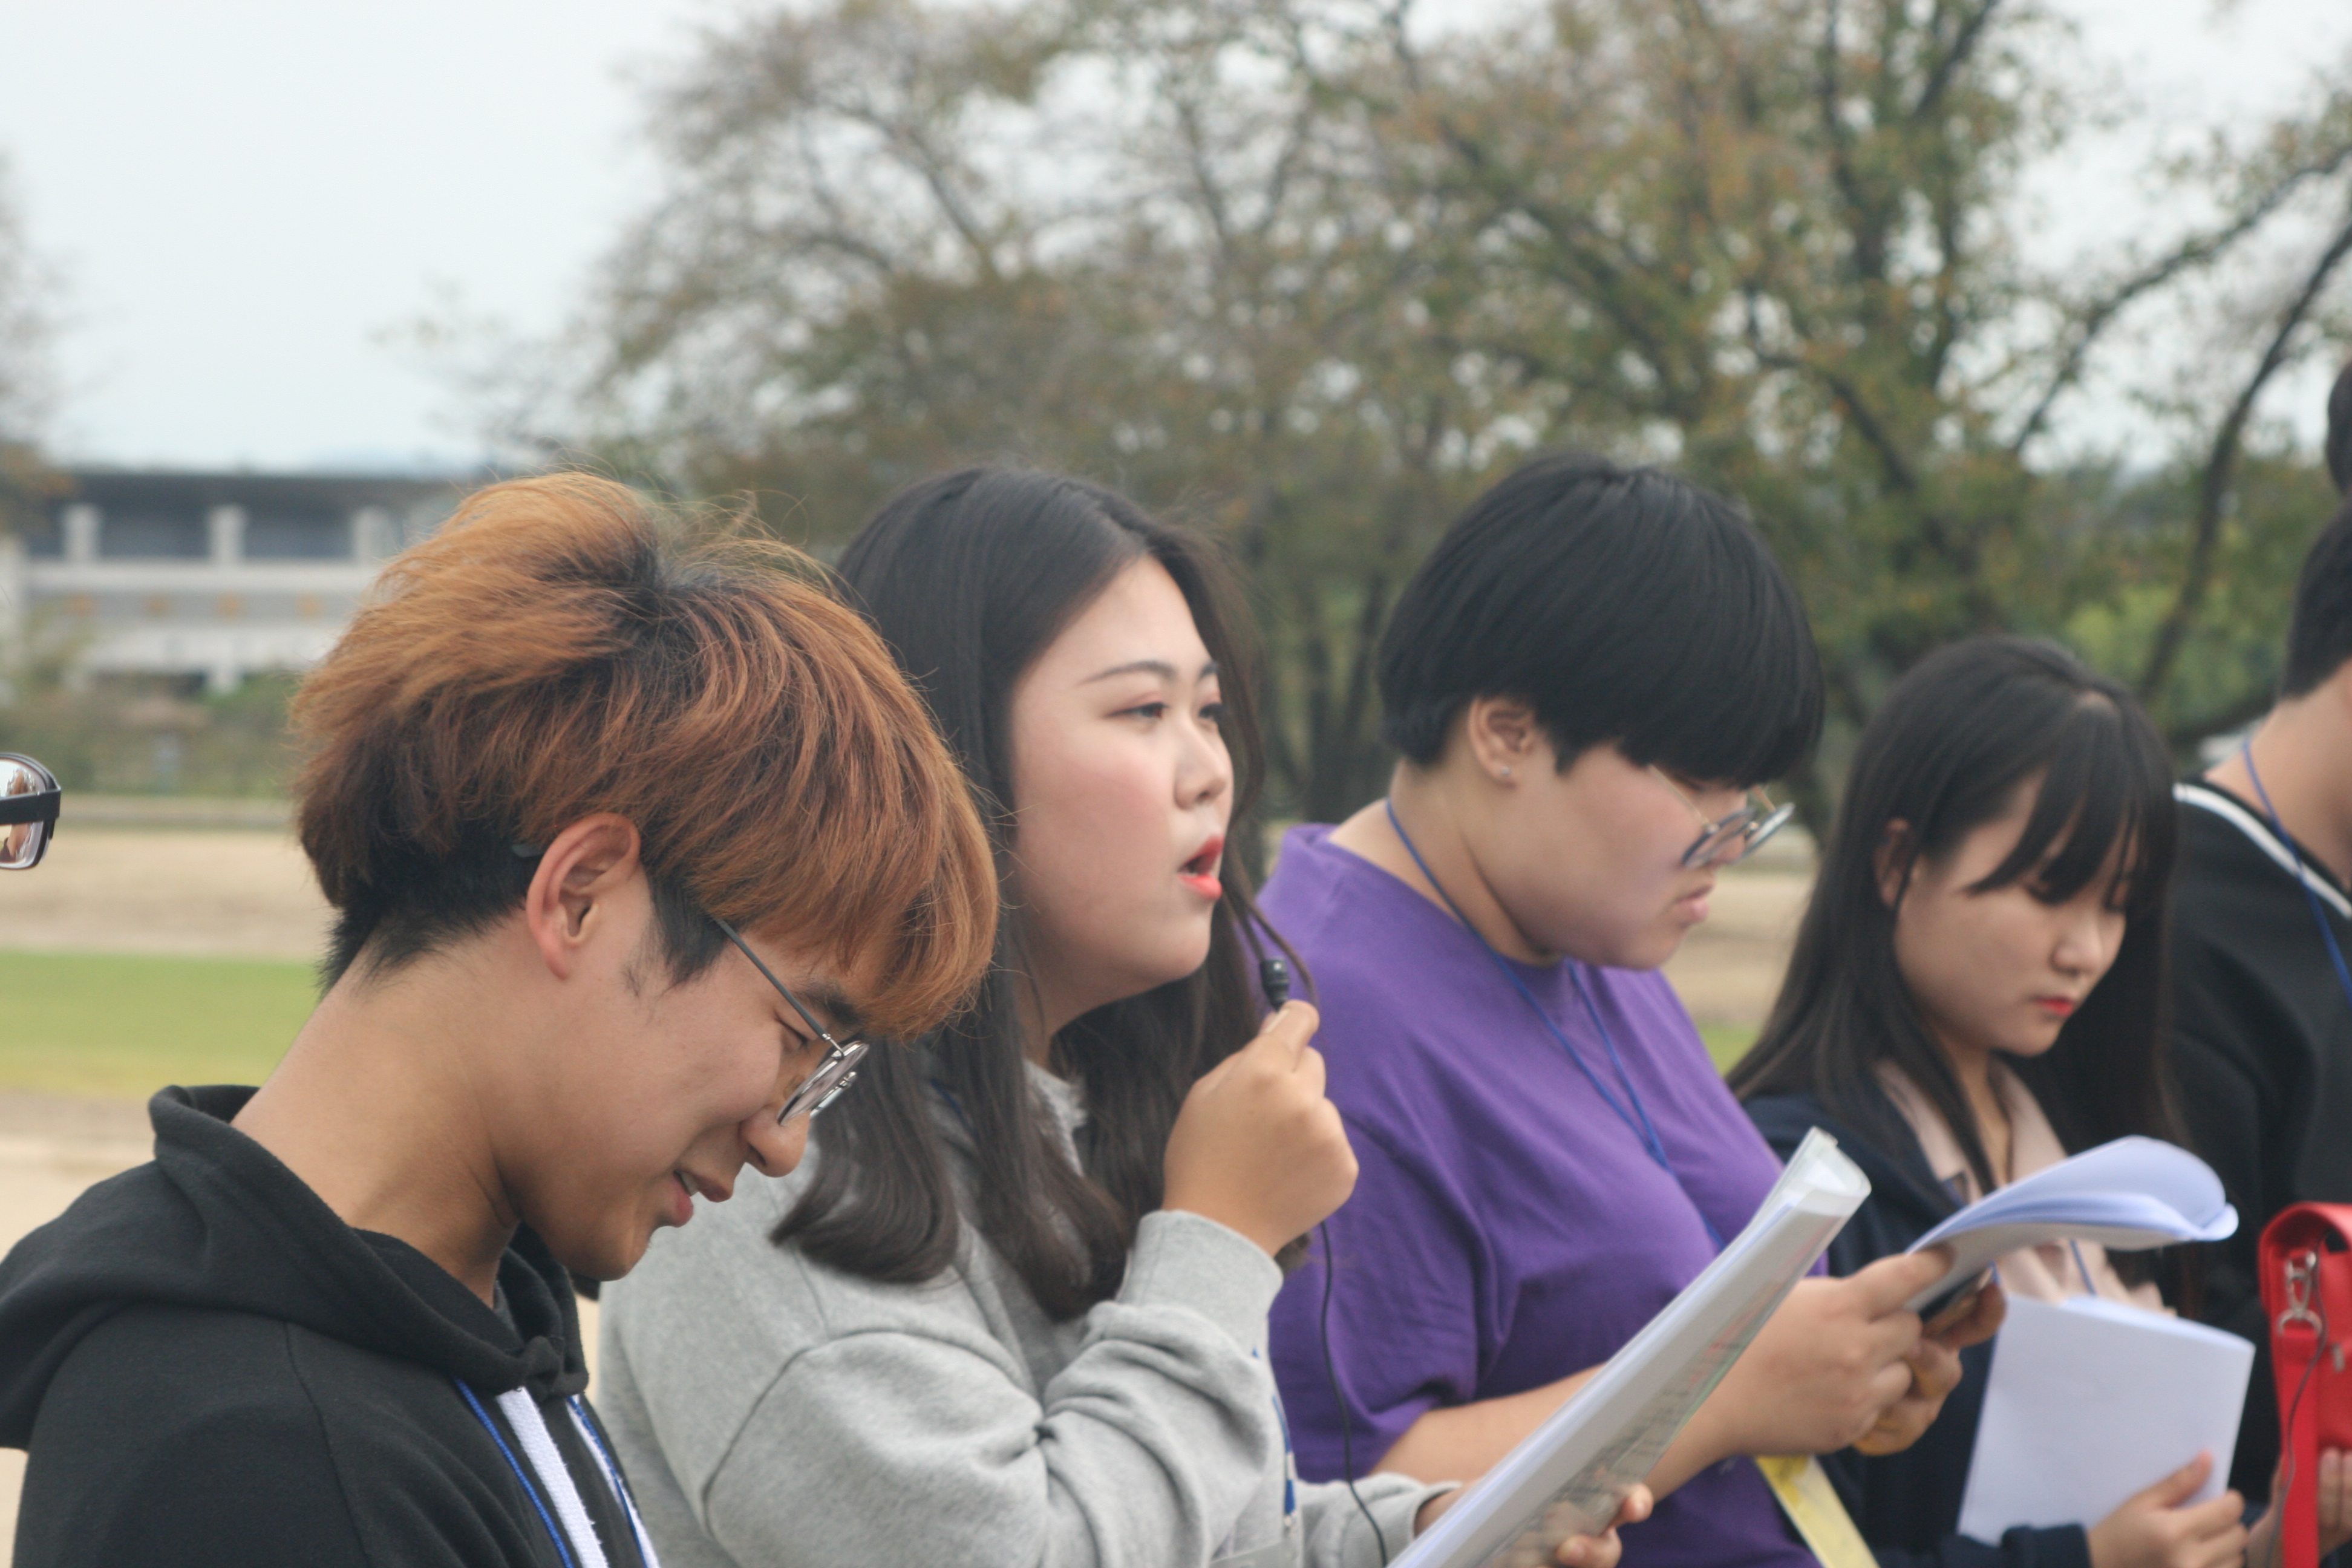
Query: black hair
{"x": 1946, "y": 753}
{"x": 2340, "y": 430}
{"x": 968, "y": 578}
{"x": 2319, "y": 638}
{"x": 1623, "y": 605}
{"x": 420, "y": 902}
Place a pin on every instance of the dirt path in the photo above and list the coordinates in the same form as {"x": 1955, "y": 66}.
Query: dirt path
{"x": 237, "y": 892}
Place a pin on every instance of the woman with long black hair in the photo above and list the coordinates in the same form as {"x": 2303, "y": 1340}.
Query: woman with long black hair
{"x": 1012, "y": 1311}
{"x": 1977, "y": 991}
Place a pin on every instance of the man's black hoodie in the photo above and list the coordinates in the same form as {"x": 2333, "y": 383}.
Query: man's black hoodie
{"x": 1907, "y": 1505}
{"x": 208, "y": 1366}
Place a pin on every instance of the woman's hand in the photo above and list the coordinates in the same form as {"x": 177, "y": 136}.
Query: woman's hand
{"x": 2334, "y": 1499}
{"x": 1256, "y": 1147}
{"x": 1831, "y": 1362}
{"x": 1601, "y": 1551}
{"x": 2335, "y": 1510}
{"x": 1935, "y": 1373}
{"x": 2154, "y": 1529}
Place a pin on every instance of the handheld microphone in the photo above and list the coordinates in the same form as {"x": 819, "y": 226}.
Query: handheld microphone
{"x": 1274, "y": 979}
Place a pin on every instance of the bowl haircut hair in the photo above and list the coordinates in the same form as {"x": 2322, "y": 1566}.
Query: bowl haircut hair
{"x": 969, "y": 577}
{"x": 1947, "y": 750}
{"x": 558, "y": 650}
{"x": 2319, "y": 636}
{"x": 1623, "y": 605}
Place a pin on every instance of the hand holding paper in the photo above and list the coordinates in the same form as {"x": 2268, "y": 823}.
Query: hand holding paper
{"x": 1602, "y": 1551}
{"x": 1575, "y": 1471}
{"x": 2091, "y": 1413}
{"x": 1831, "y": 1365}
{"x": 2160, "y": 1528}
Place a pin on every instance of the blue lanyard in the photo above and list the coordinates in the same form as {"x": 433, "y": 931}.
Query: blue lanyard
{"x": 2302, "y": 876}
{"x": 1637, "y": 1120}
{"x": 563, "y": 1547}
{"x": 1289, "y": 1464}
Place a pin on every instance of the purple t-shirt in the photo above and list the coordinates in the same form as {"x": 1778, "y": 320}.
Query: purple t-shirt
{"x": 1508, "y": 1229}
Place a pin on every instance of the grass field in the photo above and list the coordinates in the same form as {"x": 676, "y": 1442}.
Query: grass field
{"x": 1727, "y": 1043}
{"x": 117, "y": 1024}
{"x": 127, "y": 1023}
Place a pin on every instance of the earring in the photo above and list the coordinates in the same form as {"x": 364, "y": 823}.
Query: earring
{"x": 1504, "y": 772}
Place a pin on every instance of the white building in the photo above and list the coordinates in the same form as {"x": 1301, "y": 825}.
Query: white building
{"x": 206, "y": 577}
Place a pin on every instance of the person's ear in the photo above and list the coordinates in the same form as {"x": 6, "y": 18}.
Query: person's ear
{"x": 2341, "y": 684}
{"x": 1503, "y": 736}
{"x": 1892, "y": 861}
{"x": 571, "y": 892}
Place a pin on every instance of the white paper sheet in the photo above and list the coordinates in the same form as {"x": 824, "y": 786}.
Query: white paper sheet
{"x": 2092, "y": 1401}
{"x": 2127, "y": 1196}
{"x": 1570, "y": 1473}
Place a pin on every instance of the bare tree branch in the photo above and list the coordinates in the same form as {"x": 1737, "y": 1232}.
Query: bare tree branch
{"x": 2222, "y": 465}
{"x": 1949, "y": 63}
{"x": 2093, "y": 321}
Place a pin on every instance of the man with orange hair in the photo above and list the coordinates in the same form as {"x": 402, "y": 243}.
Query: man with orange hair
{"x": 621, "y": 838}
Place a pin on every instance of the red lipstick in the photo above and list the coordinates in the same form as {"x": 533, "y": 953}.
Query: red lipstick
{"x": 1200, "y": 873}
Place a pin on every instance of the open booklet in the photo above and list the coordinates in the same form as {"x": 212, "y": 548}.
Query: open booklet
{"x": 2126, "y": 1195}
{"x": 1569, "y": 1476}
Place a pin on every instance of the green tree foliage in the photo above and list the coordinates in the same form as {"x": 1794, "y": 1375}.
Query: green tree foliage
{"x": 1314, "y": 272}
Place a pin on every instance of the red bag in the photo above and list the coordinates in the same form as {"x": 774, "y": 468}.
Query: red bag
{"x": 2306, "y": 1275}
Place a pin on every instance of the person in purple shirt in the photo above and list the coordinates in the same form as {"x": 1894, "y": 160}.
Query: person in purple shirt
{"x": 1583, "y": 679}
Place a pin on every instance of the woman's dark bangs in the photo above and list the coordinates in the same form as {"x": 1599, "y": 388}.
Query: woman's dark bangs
{"x": 2098, "y": 790}
{"x": 1739, "y": 699}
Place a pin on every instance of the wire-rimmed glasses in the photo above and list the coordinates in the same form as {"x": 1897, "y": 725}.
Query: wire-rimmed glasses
{"x": 29, "y": 796}
{"x": 1730, "y": 838}
{"x": 833, "y": 1075}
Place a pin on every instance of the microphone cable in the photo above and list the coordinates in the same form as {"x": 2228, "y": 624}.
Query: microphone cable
{"x": 1339, "y": 1400}
{"x": 1274, "y": 978}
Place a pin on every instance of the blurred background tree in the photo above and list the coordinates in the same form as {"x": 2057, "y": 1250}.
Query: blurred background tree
{"x": 28, "y": 325}
{"x": 1313, "y": 272}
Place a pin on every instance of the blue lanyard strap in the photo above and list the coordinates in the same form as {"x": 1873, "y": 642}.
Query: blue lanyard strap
{"x": 1637, "y": 1120}
{"x": 563, "y": 1547}
{"x": 1289, "y": 1462}
{"x": 2301, "y": 877}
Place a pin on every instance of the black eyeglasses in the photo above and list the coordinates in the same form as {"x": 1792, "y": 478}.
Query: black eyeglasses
{"x": 29, "y": 796}
{"x": 833, "y": 1075}
{"x": 1732, "y": 838}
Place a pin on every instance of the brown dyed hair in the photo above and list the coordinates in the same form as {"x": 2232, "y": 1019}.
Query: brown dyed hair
{"x": 562, "y": 649}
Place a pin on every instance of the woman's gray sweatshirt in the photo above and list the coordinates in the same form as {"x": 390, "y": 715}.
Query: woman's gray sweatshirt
{"x": 771, "y": 1411}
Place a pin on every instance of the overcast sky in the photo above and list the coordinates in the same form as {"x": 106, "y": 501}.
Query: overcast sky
{"x": 244, "y": 195}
